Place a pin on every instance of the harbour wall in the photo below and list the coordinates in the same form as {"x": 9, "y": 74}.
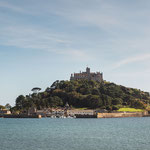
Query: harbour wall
{"x": 122, "y": 115}
{"x": 20, "y": 116}
{"x": 86, "y": 116}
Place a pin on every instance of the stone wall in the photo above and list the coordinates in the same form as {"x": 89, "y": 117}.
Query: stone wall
{"x": 86, "y": 116}
{"x": 121, "y": 115}
{"x": 20, "y": 116}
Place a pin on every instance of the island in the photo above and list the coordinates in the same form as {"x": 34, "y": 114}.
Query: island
{"x": 85, "y": 95}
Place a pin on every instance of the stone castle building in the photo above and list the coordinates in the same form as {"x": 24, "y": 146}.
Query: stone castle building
{"x": 96, "y": 76}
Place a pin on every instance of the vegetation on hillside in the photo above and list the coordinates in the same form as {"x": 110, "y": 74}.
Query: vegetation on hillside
{"x": 7, "y": 106}
{"x": 85, "y": 94}
{"x": 2, "y": 107}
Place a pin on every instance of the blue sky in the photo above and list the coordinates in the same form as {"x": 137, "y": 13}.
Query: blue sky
{"x": 42, "y": 41}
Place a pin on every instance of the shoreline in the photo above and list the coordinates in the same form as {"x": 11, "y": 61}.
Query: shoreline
{"x": 98, "y": 115}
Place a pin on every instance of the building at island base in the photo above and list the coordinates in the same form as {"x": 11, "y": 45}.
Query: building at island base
{"x": 73, "y": 112}
{"x": 5, "y": 112}
{"x": 96, "y": 76}
{"x": 48, "y": 112}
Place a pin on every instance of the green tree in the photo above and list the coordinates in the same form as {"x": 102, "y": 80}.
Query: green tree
{"x": 116, "y": 101}
{"x": 2, "y": 107}
{"x": 94, "y": 101}
{"x": 55, "y": 101}
{"x": 8, "y": 106}
{"x": 19, "y": 101}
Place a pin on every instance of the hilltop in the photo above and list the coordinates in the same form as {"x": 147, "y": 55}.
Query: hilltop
{"x": 85, "y": 94}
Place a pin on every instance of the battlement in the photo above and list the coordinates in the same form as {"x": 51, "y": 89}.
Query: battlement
{"x": 96, "y": 76}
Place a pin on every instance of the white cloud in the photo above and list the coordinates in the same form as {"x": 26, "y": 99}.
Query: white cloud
{"x": 29, "y": 37}
{"x": 9, "y": 6}
{"x": 41, "y": 39}
{"x": 98, "y": 14}
{"x": 74, "y": 11}
{"x": 129, "y": 60}
{"x": 77, "y": 55}
{"x": 101, "y": 14}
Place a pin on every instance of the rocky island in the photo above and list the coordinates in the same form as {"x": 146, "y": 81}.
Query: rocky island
{"x": 85, "y": 95}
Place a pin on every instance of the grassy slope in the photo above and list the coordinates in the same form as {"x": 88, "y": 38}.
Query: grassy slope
{"x": 130, "y": 110}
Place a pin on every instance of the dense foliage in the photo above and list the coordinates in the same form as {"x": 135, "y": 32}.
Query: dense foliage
{"x": 2, "y": 107}
{"x": 87, "y": 94}
{"x": 7, "y": 106}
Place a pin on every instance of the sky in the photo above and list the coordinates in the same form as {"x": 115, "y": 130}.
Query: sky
{"x": 42, "y": 41}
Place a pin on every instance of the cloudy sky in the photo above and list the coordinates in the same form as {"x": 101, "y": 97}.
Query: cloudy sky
{"x": 45, "y": 40}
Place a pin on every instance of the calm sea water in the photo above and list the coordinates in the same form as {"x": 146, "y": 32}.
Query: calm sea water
{"x": 75, "y": 134}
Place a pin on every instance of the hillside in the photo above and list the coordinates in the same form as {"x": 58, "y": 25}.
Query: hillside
{"x": 85, "y": 94}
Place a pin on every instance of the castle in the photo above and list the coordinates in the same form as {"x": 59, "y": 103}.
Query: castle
{"x": 87, "y": 76}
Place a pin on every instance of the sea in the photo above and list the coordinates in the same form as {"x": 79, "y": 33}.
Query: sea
{"x": 75, "y": 134}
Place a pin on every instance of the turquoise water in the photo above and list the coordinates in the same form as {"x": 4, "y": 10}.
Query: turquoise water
{"x": 75, "y": 134}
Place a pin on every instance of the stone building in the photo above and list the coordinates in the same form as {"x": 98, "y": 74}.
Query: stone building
{"x": 96, "y": 76}
{"x": 5, "y": 112}
{"x": 73, "y": 112}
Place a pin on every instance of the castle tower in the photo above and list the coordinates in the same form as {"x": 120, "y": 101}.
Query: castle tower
{"x": 71, "y": 78}
{"x": 87, "y": 70}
